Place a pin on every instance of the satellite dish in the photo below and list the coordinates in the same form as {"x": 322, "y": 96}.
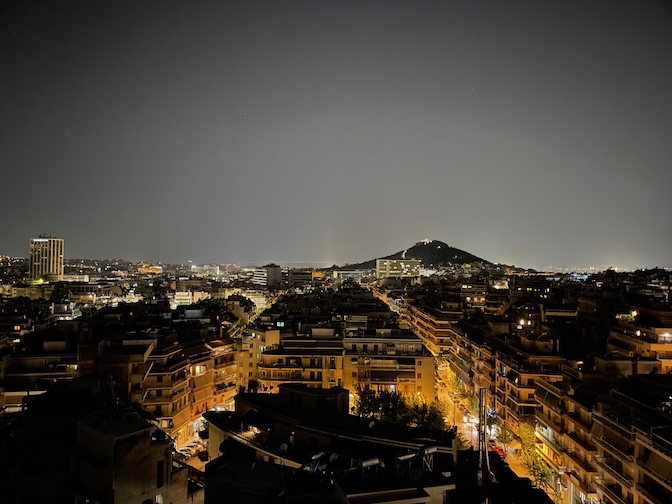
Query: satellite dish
{"x": 372, "y": 424}
{"x": 283, "y": 448}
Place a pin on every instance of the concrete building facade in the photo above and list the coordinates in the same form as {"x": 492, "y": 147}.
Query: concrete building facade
{"x": 46, "y": 259}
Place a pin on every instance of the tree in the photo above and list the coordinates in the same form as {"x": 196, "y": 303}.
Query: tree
{"x": 397, "y": 409}
{"x": 427, "y": 415}
{"x": 394, "y": 408}
{"x": 505, "y": 436}
{"x": 366, "y": 402}
{"x": 539, "y": 471}
{"x": 462, "y": 442}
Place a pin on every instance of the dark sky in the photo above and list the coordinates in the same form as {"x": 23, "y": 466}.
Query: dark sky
{"x": 533, "y": 133}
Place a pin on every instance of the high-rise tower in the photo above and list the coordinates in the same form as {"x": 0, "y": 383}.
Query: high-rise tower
{"x": 46, "y": 259}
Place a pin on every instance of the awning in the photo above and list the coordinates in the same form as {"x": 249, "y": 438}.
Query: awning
{"x": 659, "y": 466}
{"x": 202, "y": 396}
{"x": 181, "y": 418}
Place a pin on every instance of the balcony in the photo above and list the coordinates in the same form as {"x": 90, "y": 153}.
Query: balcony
{"x": 612, "y": 492}
{"x": 224, "y": 387}
{"x": 570, "y": 371}
{"x": 170, "y": 367}
{"x": 550, "y": 443}
{"x": 549, "y": 387}
{"x": 224, "y": 364}
{"x": 575, "y": 416}
{"x": 584, "y": 444}
{"x": 225, "y": 378}
{"x": 545, "y": 419}
{"x": 277, "y": 365}
{"x": 585, "y": 466}
{"x": 653, "y": 474}
{"x": 613, "y": 423}
{"x": 154, "y": 399}
{"x": 647, "y": 492}
{"x": 285, "y": 377}
{"x": 178, "y": 394}
{"x": 613, "y": 472}
{"x": 613, "y": 449}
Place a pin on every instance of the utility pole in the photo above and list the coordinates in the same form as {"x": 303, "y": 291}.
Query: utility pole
{"x": 483, "y": 460}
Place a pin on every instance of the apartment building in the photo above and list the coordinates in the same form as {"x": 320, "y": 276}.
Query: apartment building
{"x": 653, "y": 340}
{"x": 225, "y": 372}
{"x": 315, "y": 360}
{"x": 125, "y": 365}
{"x": 519, "y": 363}
{"x": 394, "y": 360}
{"x": 633, "y": 434}
{"x": 167, "y": 390}
{"x": 473, "y": 294}
{"x": 563, "y": 432}
{"x": 483, "y": 359}
{"x": 248, "y": 354}
{"x": 201, "y": 384}
{"x": 433, "y": 325}
{"x": 391, "y": 268}
{"x": 461, "y": 360}
{"x": 40, "y": 360}
{"x": 578, "y": 476}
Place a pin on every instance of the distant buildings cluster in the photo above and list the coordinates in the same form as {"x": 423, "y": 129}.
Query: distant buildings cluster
{"x": 260, "y": 360}
{"x": 587, "y": 363}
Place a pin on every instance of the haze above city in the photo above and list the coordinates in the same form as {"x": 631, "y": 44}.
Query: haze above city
{"x": 527, "y": 133}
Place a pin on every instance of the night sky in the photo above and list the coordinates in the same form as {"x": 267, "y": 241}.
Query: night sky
{"x": 530, "y": 133}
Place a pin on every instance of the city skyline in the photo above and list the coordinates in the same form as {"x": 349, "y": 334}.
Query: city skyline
{"x": 338, "y": 132}
{"x": 583, "y": 268}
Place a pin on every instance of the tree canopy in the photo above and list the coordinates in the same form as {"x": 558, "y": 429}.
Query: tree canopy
{"x": 398, "y": 409}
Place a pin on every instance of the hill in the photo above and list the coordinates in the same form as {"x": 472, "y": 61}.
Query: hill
{"x": 432, "y": 253}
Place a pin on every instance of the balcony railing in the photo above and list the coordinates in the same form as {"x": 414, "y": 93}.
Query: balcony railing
{"x": 613, "y": 472}
{"x": 585, "y": 444}
{"x": 583, "y": 464}
{"x": 153, "y": 399}
{"x": 612, "y": 492}
{"x": 224, "y": 364}
{"x": 575, "y": 416}
{"x": 226, "y": 378}
{"x": 613, "y": 423}
{"x": 653, "y": 473}
{"x": 283, "y": 365}
{"x": 291, "y": 377}
{"x": 646, "y": 492}
{"x": 545, "y": 419}
{"x": 548, "y": 386}
{"x": 613, "y": 449}
{"x": 550, "y": 443}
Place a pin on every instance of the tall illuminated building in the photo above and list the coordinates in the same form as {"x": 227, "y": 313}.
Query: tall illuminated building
{"x": 46, "y": 259}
